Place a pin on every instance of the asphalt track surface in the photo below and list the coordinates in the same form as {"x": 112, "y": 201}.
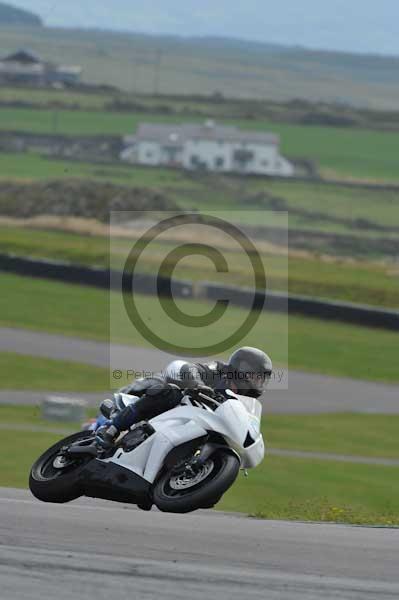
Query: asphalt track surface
{"x": 306, "y": 393}
{"x": 93, "y": 549}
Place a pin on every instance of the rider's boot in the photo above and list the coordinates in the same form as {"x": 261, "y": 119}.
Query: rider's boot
{"x": 106, "y": 435}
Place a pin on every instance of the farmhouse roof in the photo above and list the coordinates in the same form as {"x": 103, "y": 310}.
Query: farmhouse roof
{"x": 23, "y": 56}
{"x": 179, "y": 134}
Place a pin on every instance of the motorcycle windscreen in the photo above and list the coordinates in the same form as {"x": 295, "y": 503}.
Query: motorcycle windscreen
{"x": 252, "y": 405}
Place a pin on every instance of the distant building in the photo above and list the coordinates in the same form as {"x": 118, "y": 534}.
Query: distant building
{"x": 25, "y": 67}
{"x": 209, "y": 147}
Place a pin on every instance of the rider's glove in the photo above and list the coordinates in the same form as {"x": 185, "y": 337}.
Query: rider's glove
{"x": 107, "y": 407}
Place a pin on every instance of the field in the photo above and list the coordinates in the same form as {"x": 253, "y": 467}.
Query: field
{"x": 350, "y": 153}
{"x": 52, "y": 98}
{"x": 342, "y": 221}
{"x": 314, "y": 345}
{"x": 323, "y": 208}
{"x": 363, "y": 282}
{"x": 350, "y": 434}
{"x": 33, "y": 373}
{"x": 148, "y": 64}
{"x": 345, "y": 492}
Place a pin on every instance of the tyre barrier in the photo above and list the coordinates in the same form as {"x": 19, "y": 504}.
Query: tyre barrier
{"x": 345, "y": 312}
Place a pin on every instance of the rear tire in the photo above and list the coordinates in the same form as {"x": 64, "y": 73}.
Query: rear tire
{"x": 59, "y": 485}
{"x": 205, "y": 494}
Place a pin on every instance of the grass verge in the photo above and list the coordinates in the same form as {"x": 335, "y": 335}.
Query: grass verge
{"x": 18, "y": 452}
{"x": 31, "y": 373}
{"x": 31, "y": 415}
{"x": 350, "y": 434}
{"x": 311, "y": 490}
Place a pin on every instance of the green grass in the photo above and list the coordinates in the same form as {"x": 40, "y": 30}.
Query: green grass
{"x": 71, "y": 122}
{"x": 350, "y": 434}
{"x": 337, "y": 202}
{"x": 32, "y": 167}
{"x": 53, "y": 98}
{"x": 290, "y": 488}
{"x": 58, "y": 245}
{"x": 28, "y": 415}
{"x": 355, "y": 153}
{"x": 31, "y": 373}
{"x": 54, "y": 307}
{"x": 26, "y": 448}
{"x": 314, "y": 345}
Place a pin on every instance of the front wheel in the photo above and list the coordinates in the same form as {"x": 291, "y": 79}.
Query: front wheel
{"x": 55, "y": 477}
{"x": 200, "y": 488}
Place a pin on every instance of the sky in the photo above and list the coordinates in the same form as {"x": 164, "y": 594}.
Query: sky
{"x": 367, "y": 26}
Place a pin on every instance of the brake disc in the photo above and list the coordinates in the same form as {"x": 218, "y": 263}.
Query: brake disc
{"x": 61, "y": 461}
{"x": 190, "y": 479}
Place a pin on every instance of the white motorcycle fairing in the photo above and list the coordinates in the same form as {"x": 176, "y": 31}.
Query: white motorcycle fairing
{"x": 237, "y": 420}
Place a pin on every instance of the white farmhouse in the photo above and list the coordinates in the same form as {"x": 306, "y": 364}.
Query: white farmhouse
{"x": 207, "y": 146}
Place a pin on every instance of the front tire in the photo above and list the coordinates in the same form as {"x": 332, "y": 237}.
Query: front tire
{"x": 51, "y": 484}
{"x": 178, "y": 495}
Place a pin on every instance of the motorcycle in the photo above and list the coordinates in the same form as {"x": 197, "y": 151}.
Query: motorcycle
{"x": 182, "y": 460}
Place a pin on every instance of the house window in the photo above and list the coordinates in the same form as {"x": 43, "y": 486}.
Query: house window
{"x": 149, "y": 154}
{"x": 196, "y": 162}
{"x": 219, "y": 162}
{"x": 243, "y": 156}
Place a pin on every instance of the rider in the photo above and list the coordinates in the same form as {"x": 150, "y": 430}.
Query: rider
{"x": 247, "y": 372}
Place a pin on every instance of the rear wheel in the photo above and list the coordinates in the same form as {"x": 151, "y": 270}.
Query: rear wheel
{"x": 55, "y": 477}
{"x": 194, "y": 488}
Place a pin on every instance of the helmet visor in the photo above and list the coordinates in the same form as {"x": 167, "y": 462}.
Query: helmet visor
{"x": 258, "y": 379}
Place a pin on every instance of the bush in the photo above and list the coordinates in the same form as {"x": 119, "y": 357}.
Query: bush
{"x": 77, "y": 198}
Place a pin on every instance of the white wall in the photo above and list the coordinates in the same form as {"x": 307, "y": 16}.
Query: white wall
{"x": 264, "y": 158}
{"x": 267, "y": 159}
{"x": 166, "y": 156}
{"x": 149, "y": 153}
{"x": 286, "y": 169}
{"x": 208, "y": 152}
